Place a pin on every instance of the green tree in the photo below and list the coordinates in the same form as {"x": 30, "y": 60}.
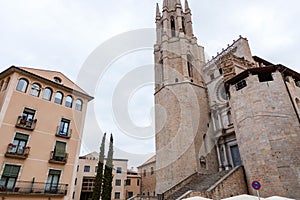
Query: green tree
{"x": 99, "y": 177}
{"x": 108, "y": 177}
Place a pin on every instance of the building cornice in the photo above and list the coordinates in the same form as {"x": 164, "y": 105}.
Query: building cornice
{"x": 13, "y": 69}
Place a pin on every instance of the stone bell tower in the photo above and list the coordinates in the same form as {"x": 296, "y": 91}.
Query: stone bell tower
{"x": 181, "y": 114}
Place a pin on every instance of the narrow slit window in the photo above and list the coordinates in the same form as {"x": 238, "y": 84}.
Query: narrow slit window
{"x": 190, "y": 65}
{"x": 173, "y": 26}
{"x": 183, "y": 25}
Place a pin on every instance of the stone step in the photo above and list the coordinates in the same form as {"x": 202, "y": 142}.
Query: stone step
{"x": 199, "y": 183}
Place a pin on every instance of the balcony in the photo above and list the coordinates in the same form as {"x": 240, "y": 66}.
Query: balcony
{"x": 35, "y": 189}
{"x": 14, "y": 151}
{"x": 62, "y": 133}
{"x": 58, "y": 159}
{"x": 24, "y": 123}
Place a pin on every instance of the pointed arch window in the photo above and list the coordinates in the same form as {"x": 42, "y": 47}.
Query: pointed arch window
{"x": 58, "y": 97}
{"x": 183, "y": 25}
{"x": 78, "y": 105}
{"x": 22, "y": 85}
{"x": 161, "y": 62}
{"x": 69, "y": 101}
{"x": 35, "y": 89}
{"x": 190, "y": 65}
{"x": 173, "y": 26}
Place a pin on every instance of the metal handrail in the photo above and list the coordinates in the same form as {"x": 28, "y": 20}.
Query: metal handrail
{"x": 26, "y": 123}
{"x": 35, "y": 188}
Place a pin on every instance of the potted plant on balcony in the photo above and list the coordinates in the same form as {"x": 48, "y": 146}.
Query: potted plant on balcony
{"x": 26, "y": 151}
{"x": 10, "y": 148}
{"x": 3, "y": 188}
{"x": 23, "y": 120}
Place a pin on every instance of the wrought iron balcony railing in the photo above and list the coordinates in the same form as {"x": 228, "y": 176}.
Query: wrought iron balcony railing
{"x": 35, "y": 188}
{"x": 15, "y": 151}
{"x": 62, "y": 133}
{"x": 58, "y": 159}
{"x": 28, "y": 124}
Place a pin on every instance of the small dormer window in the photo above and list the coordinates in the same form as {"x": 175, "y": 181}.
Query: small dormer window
{"x": 57, "y": 79}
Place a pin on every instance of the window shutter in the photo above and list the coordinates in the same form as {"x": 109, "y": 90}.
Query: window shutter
{"x": 21, "y": 136}
{"x": 11, "y": 171}
{"x": 60, "y": 149}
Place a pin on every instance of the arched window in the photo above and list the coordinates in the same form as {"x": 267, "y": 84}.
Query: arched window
{"x": 58, "y": 97}
{"x": 22, "y": 85}
{"x": 69, "y": 101}
{"x": 6, "y": 83}
{"x": 220, "y": 71}
{"x": 161, "y": 62}
{"x": 173, "y": 26}
{"x": 78, "y": 105}
{"x": 57, "y": 79}
{"x": 190, "y": 65}
{"x": 35, "y": 89}
{"x": 47, "y": 94}
{"x": 183, "y": 26}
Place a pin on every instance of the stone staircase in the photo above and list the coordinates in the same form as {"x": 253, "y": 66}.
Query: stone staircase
{"x": 199, "y": 183}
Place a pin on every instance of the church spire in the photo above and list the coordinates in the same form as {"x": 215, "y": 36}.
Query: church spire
{"x": 178, "y": 3}
{"x": 157, "y": 12}
{"x": 171, "y": 4}
{"x": 187, "y": 7}
{"x": 165, "y": 4}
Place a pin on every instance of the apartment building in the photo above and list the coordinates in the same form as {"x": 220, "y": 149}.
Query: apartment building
{"x": 132, "y": 184}
{"x": 42, "y": 119}
{"x": 147, "y": 172}
{"x": 126, "y": 183}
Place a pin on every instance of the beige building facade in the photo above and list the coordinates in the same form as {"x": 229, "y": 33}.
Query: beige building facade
{"x": 125, "y": 182}
{"x": 132, "y": 184}
{"x": 42, "y": 119}
{"x": 214, "y": 116}
{"x": 147, "y": 172}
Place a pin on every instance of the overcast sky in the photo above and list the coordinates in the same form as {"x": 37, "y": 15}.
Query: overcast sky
{"x": 63, "y": 34}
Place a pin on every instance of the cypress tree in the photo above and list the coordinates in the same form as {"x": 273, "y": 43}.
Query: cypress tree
{"x": 108, "y": 177}
{"x": 99, "y": 177}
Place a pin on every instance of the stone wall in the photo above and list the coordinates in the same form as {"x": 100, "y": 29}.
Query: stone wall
{"x": 267, "y": 132}
{"x": 183, "y": 121}
{"x": 148, "y": 179}
{"x": 232, "y": 184}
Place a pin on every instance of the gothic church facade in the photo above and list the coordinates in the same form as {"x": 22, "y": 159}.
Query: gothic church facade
{"x": 236, "y": 109}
